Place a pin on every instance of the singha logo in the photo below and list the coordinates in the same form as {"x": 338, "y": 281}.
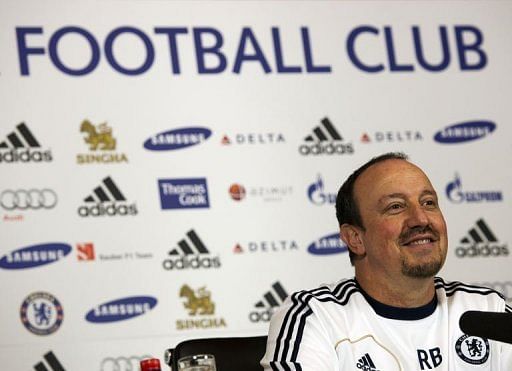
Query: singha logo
{"x": 98, "y": 138}
{"x": 198, "y": 302}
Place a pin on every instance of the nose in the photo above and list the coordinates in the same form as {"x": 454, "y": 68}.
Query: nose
{"x": 417, "y": 217}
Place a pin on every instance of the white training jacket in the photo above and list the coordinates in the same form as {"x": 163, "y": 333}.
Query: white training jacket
{"x": 339, "y": 328}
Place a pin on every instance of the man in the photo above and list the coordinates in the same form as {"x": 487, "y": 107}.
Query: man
{"x": 395, "y": 315}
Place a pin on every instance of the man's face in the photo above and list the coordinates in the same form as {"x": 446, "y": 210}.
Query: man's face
{"x": 405, "y": 232}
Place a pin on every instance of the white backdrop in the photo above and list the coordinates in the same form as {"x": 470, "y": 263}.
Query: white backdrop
{"x": 259, "y": 79}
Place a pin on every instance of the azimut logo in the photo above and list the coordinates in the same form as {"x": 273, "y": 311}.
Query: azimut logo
{"x": 325, "y": 140}
{"x": 327, "y": 245}
{"x": 106, "y": 200}
{"x": 480, "y": 242}
{"x": 200, "y": 307}
{"x": 183, "y": 193}
{"x": 101, "y": 145}
{"x": 239, "y": 192}
{"x": 271, "y": 300}
{"x": 177, "y": 139}
{"x": 51, "y": 361}
{"x": 465, "y": 132}
{"x": 41, "y": 313}
{"x": 456, "y": 195}
{"x": 317, "y": 194}
{"x": 191, "y": 253}
{"x": 35, "y": 255}
{"x": 121, "y": 309}
{"x": 22, "y": 146}
{"x": 252, "y": 138}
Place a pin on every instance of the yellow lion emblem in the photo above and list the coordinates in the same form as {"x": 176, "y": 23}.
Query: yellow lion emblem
{"x": 197, "y": 301}
{"x": 98, "y": 139}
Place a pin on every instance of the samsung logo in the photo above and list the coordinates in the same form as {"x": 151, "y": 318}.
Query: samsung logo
{"x": 327, "y": 245}
{"x": 121, "y": 309}
{"x": 465, "y": 132}
{"x": 34, "y": 256}
{"x": 177, "y": 139}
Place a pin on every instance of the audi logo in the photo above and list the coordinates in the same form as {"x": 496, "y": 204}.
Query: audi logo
{"x": 28, "y": 199}
{"x": 131, "y": 363}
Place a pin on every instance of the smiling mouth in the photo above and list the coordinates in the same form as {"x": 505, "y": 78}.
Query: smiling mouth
{"x": 423, "y": 241}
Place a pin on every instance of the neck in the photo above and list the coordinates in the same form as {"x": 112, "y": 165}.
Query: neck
{"x": 405, "y": 292}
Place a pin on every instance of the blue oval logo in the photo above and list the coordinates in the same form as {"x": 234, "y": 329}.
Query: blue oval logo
{"x": 177, "y": 139}
{"x": 121, "y": 309}
{"x": 35, "y": 256}
{"x": 327, "y": 245}
{"x": 465, "y": 131}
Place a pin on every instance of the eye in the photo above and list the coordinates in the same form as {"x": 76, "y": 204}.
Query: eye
{"x": 394, "y": 207}
{"x": 430, "y": 203}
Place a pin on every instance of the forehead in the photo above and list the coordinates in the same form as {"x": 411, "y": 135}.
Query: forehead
{"x": 391, "y": 177}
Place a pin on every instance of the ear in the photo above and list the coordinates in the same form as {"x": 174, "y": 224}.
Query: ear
{"x": 352, "y": 236}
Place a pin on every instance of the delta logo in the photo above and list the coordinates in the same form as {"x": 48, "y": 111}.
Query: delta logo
{"x": 266, "y": 246}
{"x": 325, "y": 140}
{"x": 317, "y": 194}
{"x": 271, "y": 300}
{"x": 35, "y": 255}
{"x": 392, "y": 136}
{"x": 191, "y": 253}
{"x": 107, "y": 200}
{"x": 252, "y": 139}
{"x": 22, "y": 146}
{"x": 200, "y": 307}
{"x": 121, "y": 309}
{"x": 177, "y": 139}
{"x": 465, "y": 132}
{"x": 481, "y": 242}
{"x": 101, "y": 144}
{"x": 328, "y": 245}
{"x": 455, "y": 193}
{"x": 183, "y": 193}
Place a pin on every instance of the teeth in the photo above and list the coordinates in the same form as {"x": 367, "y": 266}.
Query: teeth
{"x": 420, "y": 242}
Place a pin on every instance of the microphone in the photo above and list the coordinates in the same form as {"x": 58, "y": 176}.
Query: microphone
{"x": 491, "y": 325}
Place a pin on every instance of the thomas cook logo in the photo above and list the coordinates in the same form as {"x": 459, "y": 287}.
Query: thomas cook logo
{"x": 271, "y": 300}
{"x": 183, "y": 193}
{"x": 101, "y": 143}
{"x": 41, "y": 313}
{"x": 22, "y": 146}
{"x": 106, "y": 200}
{"x": 121, "y": 309}
{"x": 325, "y": 140}
{"x": 177, "y": 139}
{"x": 480, "y": 242}
{"x": 191, "y": 253}
{"x": 465, "y": 132}
{"x": 200, "y": 307}
{"x": 456, "y": 195}
{"x": 472, "y": 349}
{"x": 327, "y": 245}
{"x": 35, "y": 255}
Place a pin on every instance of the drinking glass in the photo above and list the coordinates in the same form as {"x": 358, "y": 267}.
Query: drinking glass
{"x": 198, "y": 362}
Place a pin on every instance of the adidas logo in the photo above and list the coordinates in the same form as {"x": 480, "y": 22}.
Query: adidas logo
{"x": 365, "y": 363}
{"x": 271, "y": 300}
{"x": 20, "y": 146}
{"x": 106, "y": 200}
{"x": 190, "y": 253}
{"x": 52, "y": 361}
{"x": 481, "y": 241}
{"x": 325, "y": 140}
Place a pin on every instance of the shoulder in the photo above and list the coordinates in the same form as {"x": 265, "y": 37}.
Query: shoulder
{"x": 456, "y": 291}
{"x": 338, "y": 293}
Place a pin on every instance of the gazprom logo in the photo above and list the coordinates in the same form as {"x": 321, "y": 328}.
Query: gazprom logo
{"x": 177, "y": 139}
{"x": 465, "y": 132}
{"x": 34, "y": 256}
{"x": 121, "y": 309}
{"x": 327, "y": 245}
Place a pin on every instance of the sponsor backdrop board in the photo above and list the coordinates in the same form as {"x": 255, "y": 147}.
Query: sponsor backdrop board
{"x": 169, "y": 169}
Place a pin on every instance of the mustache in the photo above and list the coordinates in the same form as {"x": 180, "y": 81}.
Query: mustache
{"x": 415, "y": 231}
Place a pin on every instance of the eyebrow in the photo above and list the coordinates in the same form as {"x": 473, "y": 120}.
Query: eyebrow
{"x": 402, "y": 195}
